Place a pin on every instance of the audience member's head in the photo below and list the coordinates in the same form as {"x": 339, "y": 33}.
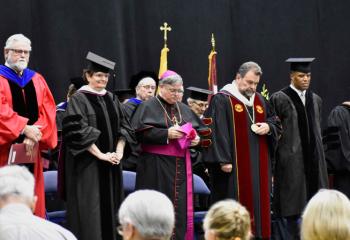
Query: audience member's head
{"x": 16, "y": 186}
{"x": 326, "y": 216}
{"x": 227, "y": 220}
{"x": 146, "y": 214}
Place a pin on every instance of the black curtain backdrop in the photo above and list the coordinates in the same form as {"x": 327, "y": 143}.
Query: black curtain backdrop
{"x": 127, "y": 32}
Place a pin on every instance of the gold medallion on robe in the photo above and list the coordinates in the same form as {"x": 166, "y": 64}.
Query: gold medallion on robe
{"x": 259, "y": 109}
{"x": 254, "y": 127}
{"x": 238, "y": 108}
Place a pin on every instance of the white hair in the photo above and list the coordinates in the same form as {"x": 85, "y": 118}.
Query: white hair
{"x": 150, "y": 212}
{"x": 145, "y": 80}
{"x": 17, "y": 38}
{"x": 16, "y": 180}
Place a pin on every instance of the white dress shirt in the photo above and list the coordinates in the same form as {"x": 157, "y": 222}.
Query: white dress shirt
{"x": 301, "y": 94}
{"x": 17, "y": 222}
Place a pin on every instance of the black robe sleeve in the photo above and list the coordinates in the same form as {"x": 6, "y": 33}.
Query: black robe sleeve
{"x": 77, "y": 134}
{"x": 221, "y": 149}
{"x": 275, "y": 130}
{"x": 125, "y": 131}
{"x": 149, "y": 124}
{"x": 337, "y": 139}
{"x": 129, "y": 108}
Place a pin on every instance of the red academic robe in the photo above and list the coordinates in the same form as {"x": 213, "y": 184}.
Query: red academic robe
{"x": 11, "y": 125}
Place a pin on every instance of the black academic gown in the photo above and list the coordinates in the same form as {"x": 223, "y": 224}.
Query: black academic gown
{"x": 201, "y": 202}
{"x": 129, "y": 109}
{"x": 94, "y": 188}
{"x": 300, "y": 167}
{"x": 224, "y": 150}
{"x": 337, "y": 147}
{"x": 60, "y": 113}
{"x": 163, "y": 173}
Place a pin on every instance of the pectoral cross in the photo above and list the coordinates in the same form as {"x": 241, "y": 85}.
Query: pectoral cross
{"x": 165, "y": 28}
{"x": 175, "y": 122}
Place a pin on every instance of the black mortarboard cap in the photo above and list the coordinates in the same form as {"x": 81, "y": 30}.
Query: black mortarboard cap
{"x": 123, "y": 94}
{"x": 300, "y": 64}
{"x": 199, "y": 93}
{"x": 98, "y": 63}
{"x": 78, "y": 82}
{"x": 135, "y": 79}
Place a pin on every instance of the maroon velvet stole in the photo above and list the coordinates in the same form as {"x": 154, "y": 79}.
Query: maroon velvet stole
{"x": 243, "y": 163}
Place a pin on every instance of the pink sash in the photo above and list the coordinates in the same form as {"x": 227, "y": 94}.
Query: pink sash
{"x": 174, "y": 149}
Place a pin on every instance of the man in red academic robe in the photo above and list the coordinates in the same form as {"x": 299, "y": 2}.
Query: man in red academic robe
{"x": 27, "y": 111}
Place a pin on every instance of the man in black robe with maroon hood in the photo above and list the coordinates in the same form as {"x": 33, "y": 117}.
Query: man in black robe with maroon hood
{"x": 243, "y": 128}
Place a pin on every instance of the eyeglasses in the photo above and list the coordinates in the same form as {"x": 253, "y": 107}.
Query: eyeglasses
{"x": 120, "y": 230}
{"x": 20, "y": 51}
{"x": 148, "y": 87}
{"x": 200, "y": 104}
{"x": 173, "y": 90}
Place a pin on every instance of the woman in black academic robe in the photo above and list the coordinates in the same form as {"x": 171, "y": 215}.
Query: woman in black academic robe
{"x": 95, "y": 132}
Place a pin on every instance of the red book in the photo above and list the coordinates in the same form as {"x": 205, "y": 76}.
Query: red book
{"x": 19, "y": 155}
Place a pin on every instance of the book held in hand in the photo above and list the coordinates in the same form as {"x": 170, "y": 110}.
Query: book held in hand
{"x": 18, "y": 154}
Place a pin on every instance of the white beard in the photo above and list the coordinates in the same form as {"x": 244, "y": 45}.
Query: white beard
{"x": 233, "y": 89}
{"x": 18, "y": 66}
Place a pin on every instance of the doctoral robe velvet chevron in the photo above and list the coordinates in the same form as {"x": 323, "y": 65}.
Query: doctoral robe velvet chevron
{"x": 35, "y": 106}
{"x": 234, "y": 143}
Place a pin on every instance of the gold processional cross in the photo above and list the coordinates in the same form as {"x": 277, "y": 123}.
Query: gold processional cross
{"x": 165, "y": 28}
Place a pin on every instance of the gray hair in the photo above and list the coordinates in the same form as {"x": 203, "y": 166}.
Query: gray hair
{"x": 173, "y": 79}
{"x": 249, "y": 66}
{"x": 17, "y": 38}
{"x": 16, "y": 180}
{"x": 143, "y": 80}
{"x": 190, "y": 100}
{"x": 150, "y": 212}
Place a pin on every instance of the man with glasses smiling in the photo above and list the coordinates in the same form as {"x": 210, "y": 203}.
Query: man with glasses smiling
{"x": 144, "y": 84}
{"x": 28, "y": 110}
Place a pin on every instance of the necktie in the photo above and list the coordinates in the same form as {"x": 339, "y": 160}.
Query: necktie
{"x": 302, "y": 97}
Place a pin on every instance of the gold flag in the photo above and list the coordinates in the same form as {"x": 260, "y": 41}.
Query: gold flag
{"x": 163, "y": 66}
